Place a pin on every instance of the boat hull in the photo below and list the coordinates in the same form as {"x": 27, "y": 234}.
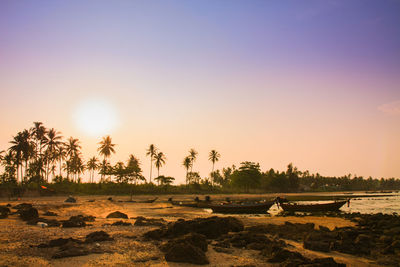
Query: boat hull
{"x": 335, "y": 206}
{"x": 241, "y": 208}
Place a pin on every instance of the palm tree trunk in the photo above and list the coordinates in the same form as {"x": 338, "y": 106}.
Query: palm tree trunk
{"x": 151, "y": 166}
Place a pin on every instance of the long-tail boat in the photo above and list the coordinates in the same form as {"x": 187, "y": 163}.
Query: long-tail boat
{"x": 332, "y": 206}
{"x": 241, "y": 208}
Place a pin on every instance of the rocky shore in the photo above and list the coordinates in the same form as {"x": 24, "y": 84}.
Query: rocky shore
{"x": 49, "y": 233}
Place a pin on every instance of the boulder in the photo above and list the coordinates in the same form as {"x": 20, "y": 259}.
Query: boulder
{"x": 284, "y": 255}
{"x": 212, "y": 227}
{"x": 121, "y": 223}
{"x": 22, "y": 206}
{"x": 98, "y": 236}
{"x": 187, "y": 253}
{"x": 58, "y": 242}
{"x": 71, "y": 249}
{"x": 28, "y": 213}
{"x": 194, "y": 239}
{"x": 117, "y": 214}
{"x": 74, "y": 221}
{"x": 142, "y": 221}
{"x": 4, "y": 211}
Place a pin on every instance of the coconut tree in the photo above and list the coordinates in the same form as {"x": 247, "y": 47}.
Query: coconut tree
{"x": 106, "y": 148}
{"x": 213, "y": 157}
{"x": 151, "y": 151}
{"x": 52, "y": 142}
{"x": 193, "y": 156}
{"x": 39, "y": 134}
{"x": 72, "y": 148}
{"x": 60, "y": 155}
{"x": 159, "y": 161}
{"x": 91, "y": 166}
{"x": 23, "y": 148}
{"x": 187, "y": 163}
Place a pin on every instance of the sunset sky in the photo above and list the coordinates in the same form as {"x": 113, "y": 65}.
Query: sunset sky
{"x": 316, "y": 83}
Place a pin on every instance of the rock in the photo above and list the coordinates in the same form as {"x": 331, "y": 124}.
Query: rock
{"x": 4, "y": 211}
{"x": 121, "y": 223}
{"x": 117, "y": 214}
{"x": 58, "y": 242}
{"x": 317, "y": 246}
{"x": 70, "y": 200}
{"x": 49, "y": 223}
{"x": 324, "y": 229}
{"x": 50, "y": 213}
{"x": 88, "y": 218}
{"x": 71, "y": 249}
{"x": 187, "y": 253}
{"x": 326, "y": 262}
{"x": 98, "y": 236}
{"x": 142, "y": 221}
{"x": 194, "y": 239}
{"x": 22, "y": 206}
{"x": 28, "y": 213}
{"x": 211, "y": 227}
{"x": 74, "y": 221}
{"x": 284, "y": 254}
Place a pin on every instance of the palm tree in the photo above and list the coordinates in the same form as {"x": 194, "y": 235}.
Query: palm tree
{"x": 92, "y": 166}
{"x": 52, "y": 142}
{"x": 187, "y": 163}
{"x": 38, "y": 132}
{"x": 60, "y": 155}
{"x": 23, "y": 148}
{"x": 159, "y": 161}
{"x": 106, "y": 148}
{"x": 193, "y": 156}
{"x": 151, "y": 151}
{"x": 213, "y": 157}
{"x": 72, "y": 150}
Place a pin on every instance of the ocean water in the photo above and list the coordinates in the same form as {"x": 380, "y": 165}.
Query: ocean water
{"x": 373, "y": 203}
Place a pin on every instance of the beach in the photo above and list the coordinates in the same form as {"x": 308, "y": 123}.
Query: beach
{"x": 19, "y": 241}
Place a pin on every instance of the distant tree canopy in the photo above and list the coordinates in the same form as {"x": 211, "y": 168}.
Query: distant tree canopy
{"x": 39, "y": 156}
{"x": 247, "y": 176}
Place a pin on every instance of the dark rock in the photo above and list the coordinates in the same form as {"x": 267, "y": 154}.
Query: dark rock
{"x": 223, "y": 250}
{"x": 22, "y": 206}
{"x": 117, "y": 214}
{"x": 58, "y": 242}
{"x": 256, "y": 246}
{"x": 110, "y": 199}
{"x": 8, "y": 205}
{"x": 70, "y": 200}
{"x": 88, "y": 218}
{"x": 317, "y": 246}
{"x": 323, "y": 228}
{"x": 28, "y": 213}
{"x": 142, "y": 221}
{"x": 211, "y": 227}
{"x": 121, "y": 223}
{"x": 4, "y": 211}
{"x": 187, "y": 253}
{"x": 326, "y": 262}
{"x": 50, "y": 223}
{"x": 50, "y": 213}
{"x": 74, "y": 221}
{"x": 284, "y": 254}
{"x": 98, "y": 236}
{"x": 71, "y": 249}
{"x": 194, "y": 239}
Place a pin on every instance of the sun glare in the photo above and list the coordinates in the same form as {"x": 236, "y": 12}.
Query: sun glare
{"x": 96, "y": 117}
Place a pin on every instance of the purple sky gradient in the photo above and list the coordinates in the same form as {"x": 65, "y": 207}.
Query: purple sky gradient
{"x": 269, "y": 81}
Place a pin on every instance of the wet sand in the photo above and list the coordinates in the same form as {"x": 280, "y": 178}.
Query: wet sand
{"x": 18, "y": 239}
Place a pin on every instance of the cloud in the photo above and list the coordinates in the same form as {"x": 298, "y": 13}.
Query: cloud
{"x": 392, "y": 108}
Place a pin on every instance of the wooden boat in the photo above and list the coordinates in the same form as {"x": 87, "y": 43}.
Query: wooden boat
{"x": 149, "y": 200}
{"x": 332, "y": 206}
{"x": 190, "y": 204}
{"x": 241, "y": 208}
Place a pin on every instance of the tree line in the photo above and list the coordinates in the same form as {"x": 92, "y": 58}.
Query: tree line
{"x": 41, "y": 156}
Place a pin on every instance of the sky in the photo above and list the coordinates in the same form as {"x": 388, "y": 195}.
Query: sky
{"x": 315, "y": 83}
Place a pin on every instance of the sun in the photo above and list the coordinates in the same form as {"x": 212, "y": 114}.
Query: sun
{"x": 96, "y": 117}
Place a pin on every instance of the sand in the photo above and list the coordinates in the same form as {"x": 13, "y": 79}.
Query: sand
{"x": 17, "y": 239}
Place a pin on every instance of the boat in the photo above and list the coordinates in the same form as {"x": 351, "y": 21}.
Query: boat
{"x": 241, "y": 208}
{"x": 149, "y": 200}
{"x": 197, "y": 203}
{"x": 332, "y": 206}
